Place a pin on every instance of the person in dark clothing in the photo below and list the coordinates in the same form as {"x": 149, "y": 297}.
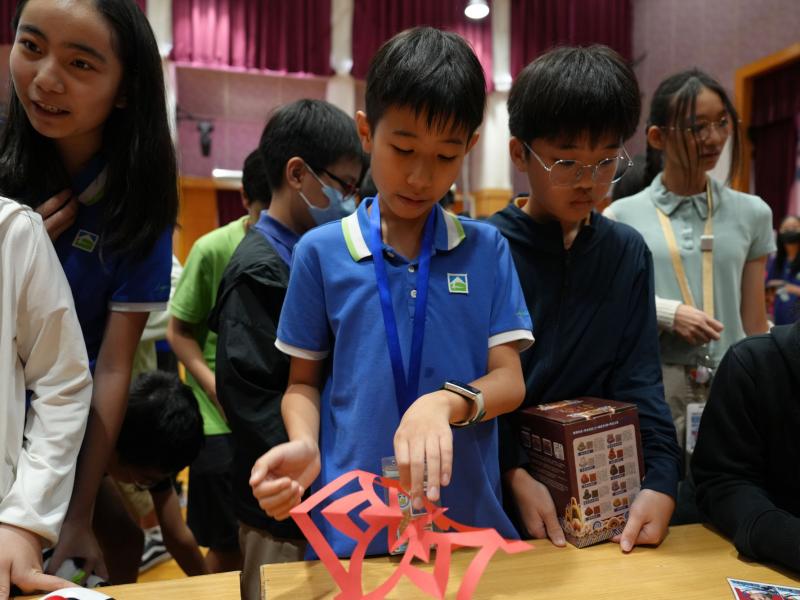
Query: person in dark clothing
{"x": 588, "y": 282}
{"x": 161, "y": 434}
{"x": 748, "y": 449}
{"x": 314, "y": 162}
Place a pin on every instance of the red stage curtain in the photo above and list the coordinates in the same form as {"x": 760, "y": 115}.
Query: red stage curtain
{"x": 776, "y": 103}
{"x": 375, "y": 21}
{"x": 538, "y": 25}
{"x": 229, "y": 206}
{"x": 271, "y": 35}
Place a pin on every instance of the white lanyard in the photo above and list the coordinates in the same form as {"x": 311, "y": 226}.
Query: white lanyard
{"x": 707, "y": 249}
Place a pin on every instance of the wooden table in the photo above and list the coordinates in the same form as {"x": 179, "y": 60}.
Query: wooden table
{"x": 693, "y": 562}
{"x": 205, "y": 587}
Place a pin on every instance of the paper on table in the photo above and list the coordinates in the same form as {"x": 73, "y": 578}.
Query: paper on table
{"x": 755, "y": 590}
{"x": 76, "y": 593}
{"x": 378, "y": 515}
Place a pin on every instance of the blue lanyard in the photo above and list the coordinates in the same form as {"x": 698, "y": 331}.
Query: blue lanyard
{"x": 406, "y": 389}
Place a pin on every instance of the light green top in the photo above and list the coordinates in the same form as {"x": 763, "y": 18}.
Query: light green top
{"x": 742, "y": 232}
{"x": 194, "y": 298}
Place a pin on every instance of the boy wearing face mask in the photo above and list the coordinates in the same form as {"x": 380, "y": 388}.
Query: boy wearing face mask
{"x": 313, "y": 162}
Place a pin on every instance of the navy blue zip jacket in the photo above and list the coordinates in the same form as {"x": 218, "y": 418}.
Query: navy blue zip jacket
{"x": 594, "y": 320}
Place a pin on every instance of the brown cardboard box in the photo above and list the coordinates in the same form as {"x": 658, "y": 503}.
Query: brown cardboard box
{"x": 588, "y": 452}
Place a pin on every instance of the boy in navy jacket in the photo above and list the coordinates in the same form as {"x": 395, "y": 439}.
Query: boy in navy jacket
{"x": 588, "y": 282}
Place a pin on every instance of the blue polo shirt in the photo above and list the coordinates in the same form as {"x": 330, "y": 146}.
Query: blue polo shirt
{"x": 112, "y": 282}
{"x": 332, "y": 311}
{"x": 278, "y": 235}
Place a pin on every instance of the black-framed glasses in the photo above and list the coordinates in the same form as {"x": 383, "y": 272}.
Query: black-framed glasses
{"x": 702, "y": 131}
{"x": 565, "y": 173}
{"x": 348, "y": 189}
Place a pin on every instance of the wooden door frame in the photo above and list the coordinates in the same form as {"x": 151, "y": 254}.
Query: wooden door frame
{"x": 743, "y": 100}
{"x": 198, "y": 211}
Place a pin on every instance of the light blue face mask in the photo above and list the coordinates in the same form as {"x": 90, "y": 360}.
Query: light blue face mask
{"x": 339, "y": 205}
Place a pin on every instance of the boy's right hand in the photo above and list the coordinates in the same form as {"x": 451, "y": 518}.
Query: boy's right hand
{"x": 424, "y": 440}
{"x": 281, "y": 476}
{"x": 535, "y": 506}
{"x": 58, "y": 213}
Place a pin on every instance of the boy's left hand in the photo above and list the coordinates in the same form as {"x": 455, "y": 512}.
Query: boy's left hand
{"x": 424, "y": 438}
{"x": 648, "y": 520}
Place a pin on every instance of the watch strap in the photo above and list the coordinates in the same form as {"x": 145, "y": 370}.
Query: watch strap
{"x": 473, "y": 396}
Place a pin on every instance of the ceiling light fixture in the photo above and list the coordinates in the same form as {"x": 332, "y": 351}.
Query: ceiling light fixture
{"x": 477, "y": 9}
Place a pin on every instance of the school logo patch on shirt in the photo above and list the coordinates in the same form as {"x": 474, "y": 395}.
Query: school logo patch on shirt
{"x": 85, "y": 240}
{"x": 457, "y": 283}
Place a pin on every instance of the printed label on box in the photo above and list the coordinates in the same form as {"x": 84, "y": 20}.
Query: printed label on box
{"x": 590, "y": 460}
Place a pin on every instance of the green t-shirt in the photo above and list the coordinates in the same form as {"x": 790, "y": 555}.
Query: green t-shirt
{"x": 194, "y": 298}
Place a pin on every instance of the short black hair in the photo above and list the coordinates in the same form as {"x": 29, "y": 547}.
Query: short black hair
{"x": 435, "y": 73}
{"x": 674, "y": 103}
{"x": 570, "y": 92}
{"x": 316, "y": 131}
{"x": 254, "y": 179}
{"x": 163, "y": 428}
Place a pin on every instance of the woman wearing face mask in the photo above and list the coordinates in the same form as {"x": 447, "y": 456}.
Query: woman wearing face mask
{"x": 709, "y": 242}
{"x": 786, "y": 270}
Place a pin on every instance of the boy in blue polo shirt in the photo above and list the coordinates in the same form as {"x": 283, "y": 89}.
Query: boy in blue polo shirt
{"x": 402, "y": 320}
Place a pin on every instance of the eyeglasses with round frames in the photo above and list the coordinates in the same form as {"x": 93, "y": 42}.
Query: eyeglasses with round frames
{"x": 565, "y": 173}
{"x": 702, "y": 131}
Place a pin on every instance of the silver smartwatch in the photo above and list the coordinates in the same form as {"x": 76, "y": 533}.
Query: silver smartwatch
{"x": 474, "y": 398}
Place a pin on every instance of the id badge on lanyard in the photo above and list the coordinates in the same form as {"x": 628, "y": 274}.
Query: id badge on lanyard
{"x": 406, "y": 387}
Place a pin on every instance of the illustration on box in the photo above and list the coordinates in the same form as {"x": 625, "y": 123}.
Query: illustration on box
{"x": 587, "y": 452}
{"x": 605, "y": 464}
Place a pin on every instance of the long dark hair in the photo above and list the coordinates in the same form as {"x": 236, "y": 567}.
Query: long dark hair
{"x": 141, "y": 190}
{"x": 673, "y": 104}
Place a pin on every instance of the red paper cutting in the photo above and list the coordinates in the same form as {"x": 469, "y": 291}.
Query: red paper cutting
{"x": 378, "y": 516}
